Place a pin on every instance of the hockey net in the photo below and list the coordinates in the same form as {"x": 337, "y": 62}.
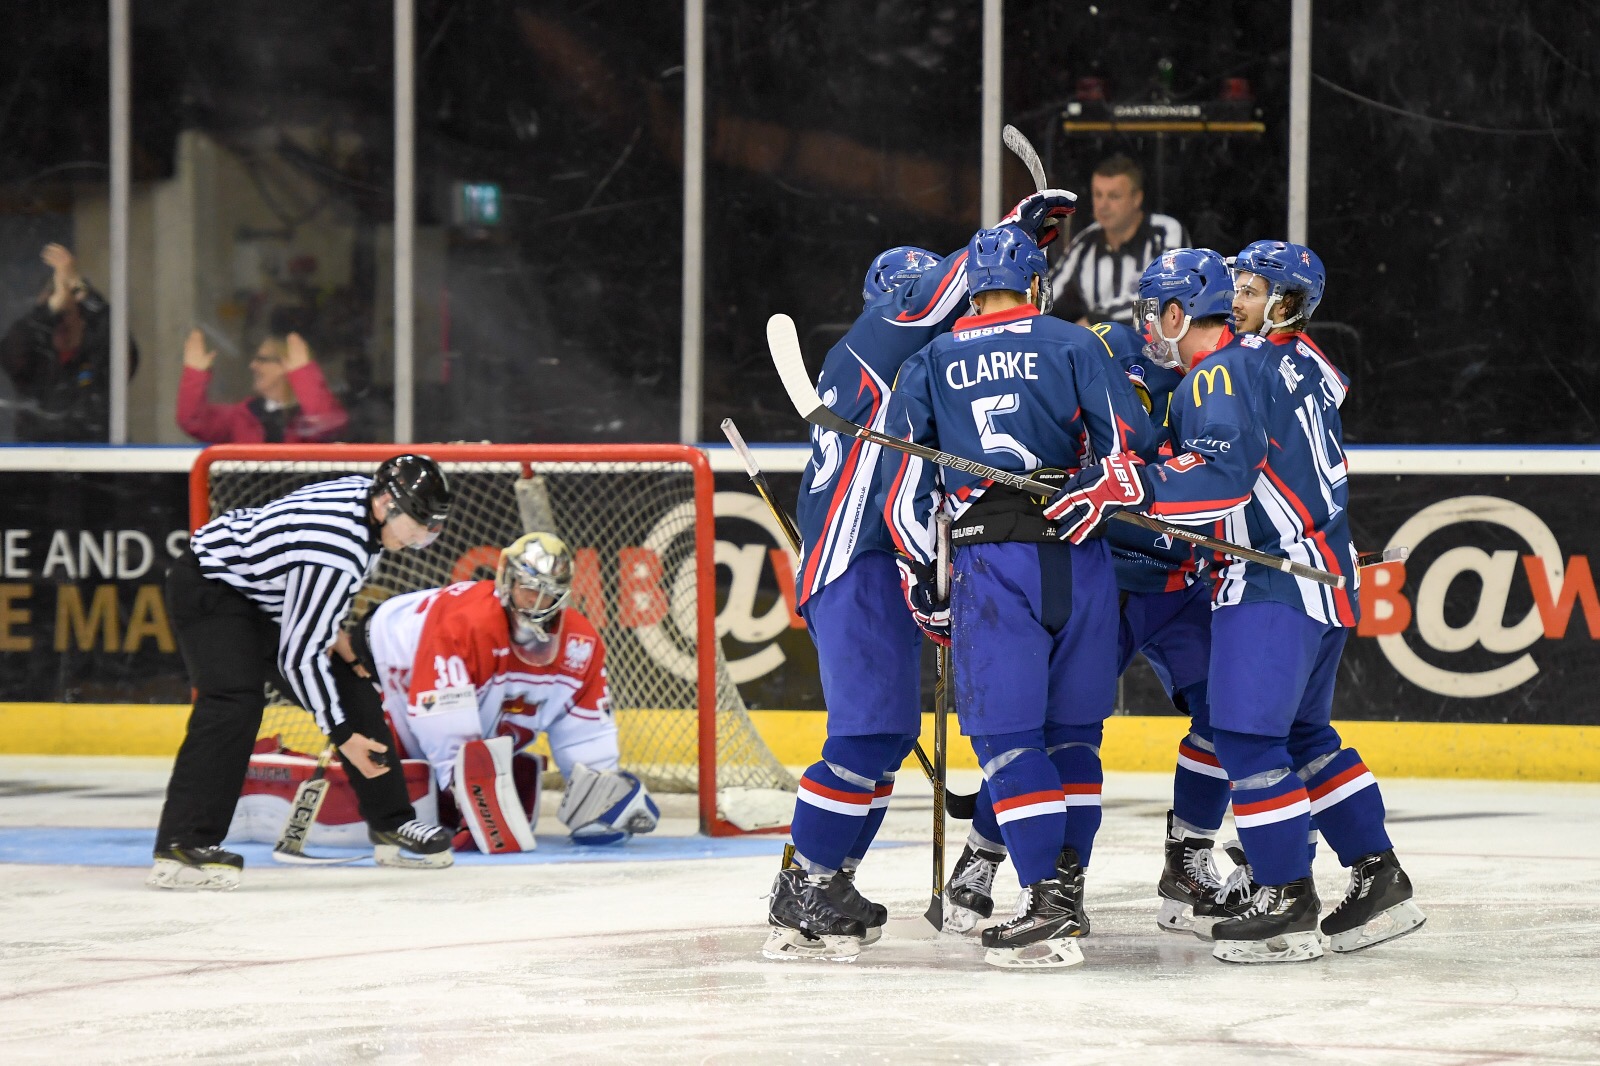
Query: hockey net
{"x": 639, "y": 520}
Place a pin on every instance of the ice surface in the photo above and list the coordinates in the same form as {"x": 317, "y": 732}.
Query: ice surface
{"x": 658, "y": 961}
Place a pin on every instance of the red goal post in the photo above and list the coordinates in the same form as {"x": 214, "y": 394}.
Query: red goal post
{"x": 611, "y": 503}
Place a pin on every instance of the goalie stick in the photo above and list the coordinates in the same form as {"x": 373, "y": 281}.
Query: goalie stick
{"x": 784, "y": 343}
{"x": 957, "y": 805}
{"x": 308, "y": 798}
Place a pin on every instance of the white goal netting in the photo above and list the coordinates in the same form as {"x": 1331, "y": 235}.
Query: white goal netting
{"x": 632, "y": 528}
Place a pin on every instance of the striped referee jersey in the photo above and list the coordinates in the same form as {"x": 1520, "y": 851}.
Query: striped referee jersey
{"x": 301, "y": 558}
{"x": 1108, "y": 280}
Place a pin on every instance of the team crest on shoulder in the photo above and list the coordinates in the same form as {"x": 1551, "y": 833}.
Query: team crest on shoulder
{"x": 577, "y": 653}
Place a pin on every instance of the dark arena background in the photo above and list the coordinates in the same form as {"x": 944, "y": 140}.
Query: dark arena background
{"x": 407, "y": 223}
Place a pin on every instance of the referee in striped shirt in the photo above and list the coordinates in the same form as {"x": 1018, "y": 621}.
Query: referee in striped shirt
{"x": 258, "y": 597}
{"x": 1099, "y": 275}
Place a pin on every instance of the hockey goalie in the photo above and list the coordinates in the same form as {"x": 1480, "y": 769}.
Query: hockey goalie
{"x": 472, "y": 673}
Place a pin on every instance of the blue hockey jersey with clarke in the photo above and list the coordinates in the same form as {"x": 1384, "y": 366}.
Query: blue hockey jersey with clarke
{"x": 836, "y": 513}
{"x": 1260, "y": 451}
{"x": 1014, "y": 389}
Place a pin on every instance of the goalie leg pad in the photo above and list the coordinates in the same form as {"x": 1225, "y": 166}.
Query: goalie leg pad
{"x": 606, "y": 807}
{"x": 486, "y": 794}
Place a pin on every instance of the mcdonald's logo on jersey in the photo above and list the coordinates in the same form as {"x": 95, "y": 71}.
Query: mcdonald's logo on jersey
{"x": 1210, "y": 376}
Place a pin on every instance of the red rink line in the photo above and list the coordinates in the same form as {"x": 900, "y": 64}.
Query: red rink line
{"x": 208, "y": 966}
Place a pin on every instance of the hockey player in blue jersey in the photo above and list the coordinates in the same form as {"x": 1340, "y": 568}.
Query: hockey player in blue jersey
{"x": 848, "y": 587}
{"x": 1185, "y": 304}
{"x": 1032, "y": 621}
{"x": 1261, "y": 454}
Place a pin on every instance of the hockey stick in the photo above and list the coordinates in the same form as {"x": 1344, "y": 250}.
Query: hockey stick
{"x": 941, "y": 746}
{"x": 1023, "y": 149}
{"x": 958, "y": 805}
{"x": 308, "y": 798}
{"x": 785, "y": 345}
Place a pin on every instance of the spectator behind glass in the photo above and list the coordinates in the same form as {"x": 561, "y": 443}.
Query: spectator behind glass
{"x": 292, "y": 403}
{"x": 1101, "y": 268}
{"x": 58, "y": 358}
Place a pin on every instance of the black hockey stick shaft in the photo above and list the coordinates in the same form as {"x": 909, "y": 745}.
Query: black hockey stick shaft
{"x": 958, "y": 805}
{"x": 941, "y": 747}
{"x": 786, "y": 356}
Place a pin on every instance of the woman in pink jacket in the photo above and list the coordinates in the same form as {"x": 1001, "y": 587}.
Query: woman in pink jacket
{"x": 292, "y": 402}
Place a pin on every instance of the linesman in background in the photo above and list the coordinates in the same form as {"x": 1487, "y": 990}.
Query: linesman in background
{"x": 1098, "y": 276}
{"x": 259, "y": 597}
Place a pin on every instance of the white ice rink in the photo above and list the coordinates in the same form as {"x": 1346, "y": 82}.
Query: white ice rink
{"x": 658, "y": 962}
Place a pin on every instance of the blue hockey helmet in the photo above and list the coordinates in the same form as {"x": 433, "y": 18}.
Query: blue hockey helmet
{"x": 1198, "y": 279}
{"x": 1004, "y": 258}
{"x": 1289, "y": 268}
{"x": 893, "y": 267}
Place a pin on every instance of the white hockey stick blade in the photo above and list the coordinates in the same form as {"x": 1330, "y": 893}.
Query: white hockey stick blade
{"x": 1022, "y": 148}
{"x": 784, "y": 342}
{"x": 736, "y": 439}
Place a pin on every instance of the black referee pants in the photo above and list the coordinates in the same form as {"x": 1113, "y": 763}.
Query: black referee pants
{"x": 230, "y": 648}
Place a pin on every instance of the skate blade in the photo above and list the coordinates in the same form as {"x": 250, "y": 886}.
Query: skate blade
{"x": 785, "y": 944}
{"x": 1045, "y": 955}
{"x": 214, "y": 877}
{"x": 1290, "y": 947}
{"x": 394, "y": 855}
{"x": 300, "y": 858}
{"x": 874, "y": 934}
{"x": 1201, "y": 927}
{"x": 1176, "y": 917}
{"x": 1404, "y": 917}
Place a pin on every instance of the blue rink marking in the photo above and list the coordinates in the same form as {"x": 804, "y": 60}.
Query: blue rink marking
{"x": 131, "y": 847}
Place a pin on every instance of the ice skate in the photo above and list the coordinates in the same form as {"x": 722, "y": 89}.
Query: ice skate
{"x": 1189, "y": 877}
{"x": 1377, "y": 907}
{"x": 969, "y": 894}
{"x": 841, "y": 888}
{"x": 212, "y": 868}
{"x": 414, "y": 845}
{"x": 808, "y": 923}
{"x": 1049, "y": 920}
{"x": 1280, "y": 925}
{"x": 1230, "y": 900}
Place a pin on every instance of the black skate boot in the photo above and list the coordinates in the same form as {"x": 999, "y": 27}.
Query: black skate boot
{"x": 1377, "y": 907}
{"x": 842, "y": 889}
{"x": 1231, "y": 899}
{"x": 1280, "y": 925}
{"x": 177, "y": 867}
{"x": 808, "y": 923}
{"x": 1047, "y": 925}
{"x": 968, "y": 895}
{"x": 414, "y": 845}
{"x": 1189, "y": 877}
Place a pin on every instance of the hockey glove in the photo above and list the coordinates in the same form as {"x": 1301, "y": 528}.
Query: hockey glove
{"x": 1096, "y": 493}
{"x": 1043, "y": 214}
{"x": 922, "y": 596}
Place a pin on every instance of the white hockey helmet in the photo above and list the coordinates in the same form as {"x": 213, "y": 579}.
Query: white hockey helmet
{"x": 540, "y": 564}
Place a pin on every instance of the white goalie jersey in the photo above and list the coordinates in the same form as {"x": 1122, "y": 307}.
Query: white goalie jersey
{"x": 450, "y": 674}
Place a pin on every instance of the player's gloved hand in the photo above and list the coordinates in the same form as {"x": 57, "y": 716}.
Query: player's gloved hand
{"x": 931, "y": 612}
{"x": 1041, "y": 215}
{"x": 1096, "y": 493}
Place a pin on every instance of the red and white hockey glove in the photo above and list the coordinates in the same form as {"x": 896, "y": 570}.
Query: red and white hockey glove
{"x": 1096, "y": 493}
{"x": 922, "y": 595}
{"x": 1042, "y": 215}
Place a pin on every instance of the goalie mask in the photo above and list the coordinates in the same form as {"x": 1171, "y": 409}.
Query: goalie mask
{"x": 534, "y": 583}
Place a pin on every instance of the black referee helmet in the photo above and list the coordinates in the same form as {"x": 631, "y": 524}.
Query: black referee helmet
{"x": 417, "y": 486}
